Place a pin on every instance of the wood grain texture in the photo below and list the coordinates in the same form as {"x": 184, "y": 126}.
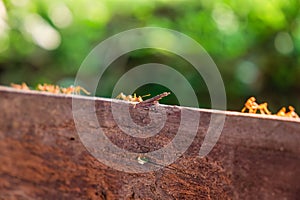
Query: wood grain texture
{"x": 42, "y": 156}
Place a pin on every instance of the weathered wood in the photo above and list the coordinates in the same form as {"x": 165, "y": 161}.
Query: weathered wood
{"x": 42, "y": 156}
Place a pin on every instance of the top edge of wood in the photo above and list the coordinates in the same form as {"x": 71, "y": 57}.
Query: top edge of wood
{"x": 95, "y": 98}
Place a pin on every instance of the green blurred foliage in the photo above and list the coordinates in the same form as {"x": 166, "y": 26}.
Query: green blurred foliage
{"x": 255, "y": 44}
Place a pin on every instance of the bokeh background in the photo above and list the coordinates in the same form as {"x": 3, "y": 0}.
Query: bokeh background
{"x": 254, "y": 43}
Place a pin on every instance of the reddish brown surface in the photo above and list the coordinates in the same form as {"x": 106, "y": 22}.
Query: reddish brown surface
{"x": 42, "y": 157}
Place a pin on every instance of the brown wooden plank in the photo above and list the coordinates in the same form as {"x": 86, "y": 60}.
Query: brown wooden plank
{"x": 42, "y": 156}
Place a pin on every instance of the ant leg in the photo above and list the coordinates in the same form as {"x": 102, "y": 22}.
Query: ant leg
{"x": 244, "y": 109}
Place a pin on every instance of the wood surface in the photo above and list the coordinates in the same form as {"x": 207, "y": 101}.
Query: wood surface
{"x": 43, "y": 157}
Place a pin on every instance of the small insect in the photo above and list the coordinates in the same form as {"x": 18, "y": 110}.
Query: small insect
{"x": 142, "y": 160}
{"x": 131, "y": 98}
{"x": 56, "y": 89}
{"x": 252, "y": 106}
{"x": 152, "y": 101}
{"x": 53, "y": 88}
{"x": 22, "y": 86}
{"x": 263, "y": 108}
{"x": 282, "y": 112}
{"x": 49, "y": 88}
{"x": 292, "y": 112}
{"x": 74, "y": 90}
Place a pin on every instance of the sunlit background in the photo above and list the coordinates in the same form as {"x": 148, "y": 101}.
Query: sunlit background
{"x": 255, "y": 43}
